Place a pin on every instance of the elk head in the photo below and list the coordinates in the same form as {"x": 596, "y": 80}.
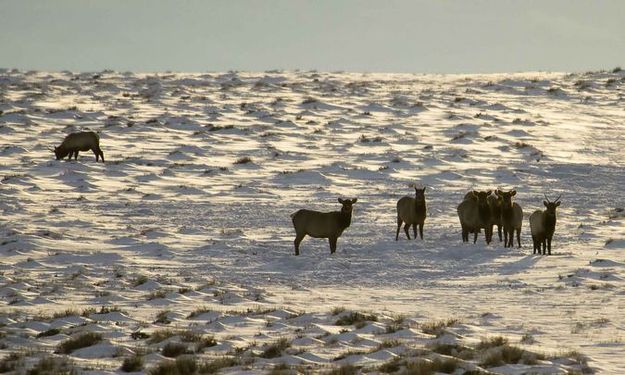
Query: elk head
{"x": 419, "y": 194}
{"x": 347, "y": 205}
{"x": 551, "y": 206}
{"x": 506, "y": 197}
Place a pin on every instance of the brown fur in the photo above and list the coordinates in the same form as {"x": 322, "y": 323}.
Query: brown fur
{"x": 511, "y": 217}
{"x": 474, "y": 214}
{"x": 76, "y": 142}
{"x": 411, "y": 211}
{"x": 543, "y": 226}
{"x": 494, "y": 202}
{"x": 317, "y": 224}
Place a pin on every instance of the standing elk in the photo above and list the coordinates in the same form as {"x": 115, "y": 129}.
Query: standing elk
{"x": 75, "y": 142}
{"x": 511, "y": 218}
{"x": 317, "y": 224}
{"x": 543, "y": 225}
{"x": 411, "y": 211}
{"x": 475, "y": 214}
{"x": 494, "y": 202}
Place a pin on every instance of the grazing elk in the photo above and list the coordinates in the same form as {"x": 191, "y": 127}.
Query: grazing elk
{"x": 474, "y": 214}
{"x": 511, "y": 217}
{"x": 317, "y": 224}
{"x": 543, "y": 225}
{"x": 411, "y": 211}
{"x": 75, "y": 142}
{"x": 494, "y": 202}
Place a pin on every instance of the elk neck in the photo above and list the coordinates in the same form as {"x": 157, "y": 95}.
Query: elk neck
{"x": 345, "y": 218}
{"x": 483, "y": 210}
{"x": 419, "y": 204}
{"x": 549, "y": 221}
{"x": 506, "y": 210}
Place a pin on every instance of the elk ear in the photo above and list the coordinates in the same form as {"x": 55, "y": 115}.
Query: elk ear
{"x": 513, "y": 193}
{"x": 545, "y": 203}
{"x": 557, "y": 204}
{"x": 489, "y": 192}
{"x": 341, "y": 201}
{"x": 354, "y": 200}
{"x": 474, "y": 193}
{"x": 424, "y": 188}
{"x": 498, "y": 192}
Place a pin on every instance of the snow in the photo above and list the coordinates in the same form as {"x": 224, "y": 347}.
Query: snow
{"x": 172, "y": 204}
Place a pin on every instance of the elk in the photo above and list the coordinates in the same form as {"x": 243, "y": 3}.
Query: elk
{"x": 75, "y": 142}
{"x": 317, "y": 224}
{"x": 474, "y": 214}
{"x": 511, "y": 217}
{"x": 494, "y": 202}
{"x": 411, "y": 211}
{"x": 543, "y": 225}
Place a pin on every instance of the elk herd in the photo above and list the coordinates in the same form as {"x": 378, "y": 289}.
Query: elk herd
{"x": 479, "y": 210}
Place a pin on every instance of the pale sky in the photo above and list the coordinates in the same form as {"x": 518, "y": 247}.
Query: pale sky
{"x": 463, "y": 36}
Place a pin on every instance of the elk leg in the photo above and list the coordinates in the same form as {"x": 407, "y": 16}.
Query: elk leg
{"x": 475, "y": 237}
{"x": 420, "y": 230}
{"x": 545, "y": 247}
{"x": 414, "y": 229}
{"x": 499, "y": 231}
{"x": 76, "y": 155}
{"x": 332, "y": 241}
{"x": 549, "y": 245}
{"x": 399, "y": 223}
{"x": 97, "y": 155}
{"x": 298, "y": 239}
{"x": 518, "y": 237}
{"x": 407, "y": 230}
{"x": 465, "y": 234}
{"x": 69, "y": 157}
{"x": 505, "y": 237}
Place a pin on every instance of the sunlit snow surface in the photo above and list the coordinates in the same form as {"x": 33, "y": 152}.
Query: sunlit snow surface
{"x": 172, "y": 203}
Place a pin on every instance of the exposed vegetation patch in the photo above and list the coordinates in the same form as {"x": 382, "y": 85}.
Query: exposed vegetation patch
{"x": 346, "y": 369}
{"x": 424, "y": 366}
{"x": 53, "y": 365}
{"x": 198, "y": 311}
{"x": 184, "y": 365}
{"x": 161, "y": 335}
{"x": 337, "y": 310}
{"x": 82, "y": 341}
{"x": 163, "y": 317}
{"x": 353, "y": 318}
{"x": 275, "y": 349}
{"x": 11, "y": 362}
{"x": 50, "y": 332}
{"x": 174, "y": 349}
{"x": 213, "y": 367}
{"x": 243, "y": 160}
{"x": 157, "y": 294}
{"x": 132, "y": 364}
{"x": 497, "y": 351}
{"x": 140, "y": 280}
{"x": 438, "y": 327}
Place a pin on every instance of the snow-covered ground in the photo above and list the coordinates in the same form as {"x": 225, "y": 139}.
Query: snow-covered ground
{"x": 177, "y": 231}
